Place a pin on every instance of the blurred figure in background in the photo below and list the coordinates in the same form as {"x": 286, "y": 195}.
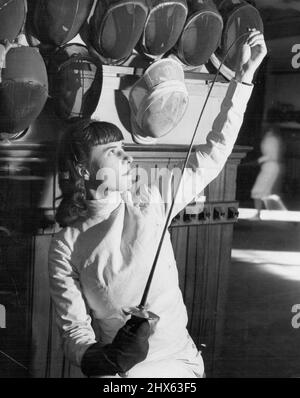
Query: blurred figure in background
{"x": 265, "y": 191}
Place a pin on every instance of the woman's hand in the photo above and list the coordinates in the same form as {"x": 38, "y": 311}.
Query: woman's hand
{"x": 129, "y": 347}
{"x": 252, "y": 53}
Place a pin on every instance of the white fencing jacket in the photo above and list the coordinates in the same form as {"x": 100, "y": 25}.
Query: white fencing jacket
{"x": 100, "y": 264}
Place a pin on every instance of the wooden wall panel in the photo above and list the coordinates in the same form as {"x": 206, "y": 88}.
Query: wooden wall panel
{"x": 40, "y": 309}
{"x": 203, "y": 260}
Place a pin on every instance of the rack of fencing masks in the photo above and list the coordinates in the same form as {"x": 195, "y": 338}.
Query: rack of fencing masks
{"x": 191, "y": 32}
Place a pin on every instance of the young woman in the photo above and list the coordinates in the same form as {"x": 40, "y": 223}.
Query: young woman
{"x": 100, "y": 260}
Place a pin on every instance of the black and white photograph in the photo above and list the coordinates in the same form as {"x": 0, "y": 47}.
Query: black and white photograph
{"x": 149, "y": 192}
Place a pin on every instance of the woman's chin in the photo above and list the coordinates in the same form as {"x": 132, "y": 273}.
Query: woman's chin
{"x": 125, "y": 185}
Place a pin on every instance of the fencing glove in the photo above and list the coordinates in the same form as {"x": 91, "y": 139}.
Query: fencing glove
{"x": 129, "y": 347}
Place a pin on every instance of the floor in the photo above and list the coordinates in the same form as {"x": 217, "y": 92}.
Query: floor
{"x": 262, "y": 334}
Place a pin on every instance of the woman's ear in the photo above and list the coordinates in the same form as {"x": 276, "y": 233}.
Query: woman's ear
{"x": 86, "y": 175}
{"x": 83, "y": 172}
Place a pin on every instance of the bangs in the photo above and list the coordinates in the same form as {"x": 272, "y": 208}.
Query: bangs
{"x": 82, "y": 136}
{"x": 100, "y": 133}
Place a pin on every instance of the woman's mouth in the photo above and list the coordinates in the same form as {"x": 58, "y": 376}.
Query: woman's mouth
{"x": 128, "y": 172}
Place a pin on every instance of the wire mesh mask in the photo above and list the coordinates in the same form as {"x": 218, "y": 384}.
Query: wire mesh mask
{"x": 75, "y": 81}
{"x": 163, "y": 27}
{"x": 12, "y": 18}
{"x": 238, "y": 16}
{"x": 55, "y": 22}
{"x": 201, "y": 34}
{"x": 23, "y": 89}
{"x": 158, "y": 101}
{"x": 114, "y": 28}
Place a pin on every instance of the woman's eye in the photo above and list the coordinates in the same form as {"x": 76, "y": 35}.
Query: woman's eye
{"x": 115, "y": 152}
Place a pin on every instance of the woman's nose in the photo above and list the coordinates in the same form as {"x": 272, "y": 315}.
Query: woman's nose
{"x": 128, "y": 158}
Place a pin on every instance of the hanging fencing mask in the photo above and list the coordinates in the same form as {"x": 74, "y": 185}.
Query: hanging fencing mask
{"x": 238, "y": 17}
{"x": 75, "y": 81}
{"x": 55, "y": 22}
{"x": 201, "y": 34}
{"x": 12, "y": 18}
{"x": 158, "y": 101}
{"x": 23, "y": 88}
{"x": 114, "y": 28}
{"x": 163, "y": 27}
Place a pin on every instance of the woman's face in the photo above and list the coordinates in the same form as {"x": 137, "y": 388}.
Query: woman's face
{"x": 110, "y": 168}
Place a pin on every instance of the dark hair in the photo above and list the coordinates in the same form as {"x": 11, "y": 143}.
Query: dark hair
{"x": 74, "y": 150}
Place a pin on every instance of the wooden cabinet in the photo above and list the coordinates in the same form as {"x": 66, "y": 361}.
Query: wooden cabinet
{"x": 202, "y": 245}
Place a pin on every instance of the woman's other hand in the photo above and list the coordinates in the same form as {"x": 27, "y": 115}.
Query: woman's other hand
{"x": 252, "y": 53}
